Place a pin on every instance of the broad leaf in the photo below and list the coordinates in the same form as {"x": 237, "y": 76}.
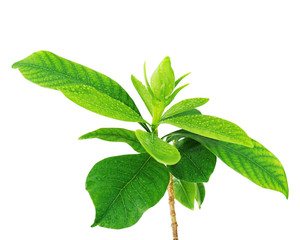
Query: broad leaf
{"x": 182, "y": 77}
{"x": 257, "y": 164}
{"x": 199, "y": 193}
{"x": 84, "y": 86}
{"x": 173, "y": 95}
{"x": 143, "y": 92}
{"x": 196, "y": 163}
{"x": 124, "y": 187}
{"x": 160, "y": 150}
{"x": 116, "y": 135}
{"x": 163, "y": 80}
{"x": 185, "y": 105}
{"x": 211, "y": 127}
{"x": 184, "y": 192}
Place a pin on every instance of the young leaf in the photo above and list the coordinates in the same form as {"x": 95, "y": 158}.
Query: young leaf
{"x": 196, "y": 163}
{"x": 182, "y": 77}
{"x": 124, "y": 187}
{"x": 163, "y": 80}
{"x": 257, "y": 164}
{"x": 184, "y": 192}
{"x": 160, "y": 150}
{"x": 200, "y": 193}
{"x": 143, "y": 92}
{"x": 211, "y": 127}
{"x": 84, "y": 86}
{"x": 173, "y": 95}
{"x": 185, "y": 105}
{"x": 116, "y": 135}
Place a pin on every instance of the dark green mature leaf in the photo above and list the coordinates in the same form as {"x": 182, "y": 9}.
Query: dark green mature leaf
{"x": 124, "y": 187}
{"x": 84, "y": 86}
{"x": 184, "y": 192}
{"x": 143, "y": 92}
{"x": 183, "y": 106}
{"x": 160, "y": 150}
{"x": 257, "y": 164}
{"x": 116, "y": 135}
{"x": 200, "y": 193}
{"x": 196, "y": 163}
{"x": 211, "y": 127}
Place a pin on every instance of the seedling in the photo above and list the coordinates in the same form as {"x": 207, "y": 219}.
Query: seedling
{"x": 123, "y": 187}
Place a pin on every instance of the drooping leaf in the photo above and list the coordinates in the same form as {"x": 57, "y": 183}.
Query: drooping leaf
{"x": 84, "y": 86}
{"x": 124, "y": 187}
{"x": 184, "y": 192}
{"x": 257, "y": 164}
{"x": 182, "y": 77}
{"x": 143, "y": 92}
{"x": 199, "y": 193}
{"x": 160, "y": 150}
{"x": 196, "y": 163}
{"x": 163, "y": 80}
{"x": 185, "y": 105}
{"x": 211, "y": 127}
{"x": 116, "y": 135}
{"x": 173, "y": 95}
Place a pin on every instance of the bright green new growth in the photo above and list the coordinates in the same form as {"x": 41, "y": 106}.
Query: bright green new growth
{"x": 123, "y": 187}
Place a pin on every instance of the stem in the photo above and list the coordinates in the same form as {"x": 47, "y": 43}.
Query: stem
{"x": 172, "y": 208}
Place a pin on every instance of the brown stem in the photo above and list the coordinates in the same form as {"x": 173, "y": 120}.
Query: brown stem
{"x": 172, "y": 208}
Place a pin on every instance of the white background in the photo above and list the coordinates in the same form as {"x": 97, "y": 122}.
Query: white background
{"x": 243, "y": 55}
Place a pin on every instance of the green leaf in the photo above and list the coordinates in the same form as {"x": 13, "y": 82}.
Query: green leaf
{"x": 143, "y": 92}
{"x": 124, "y": 187}
{"x": 199, "y": 193}
{"x": 173, "y": 95}
{"x": 182, "y": 77}
{"x": 160, "y": 150}
{"x": 211, "y": 127}
{"x": 184, "y": 192}
{"x": 116, "y": 135}
{"x": 84, "y": 86}
{"x": 257, "y": 164}
{"x": 163, "y": 80}
{"x": 185, "y": 105}
{"x": 196, "y": 163}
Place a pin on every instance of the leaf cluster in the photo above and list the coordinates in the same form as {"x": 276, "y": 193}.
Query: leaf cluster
{"x": 123, "y": 187}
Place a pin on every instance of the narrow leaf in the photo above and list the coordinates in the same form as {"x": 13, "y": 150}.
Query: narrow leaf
{"x": 184, "y": 192}
{"x": 185, "y": 105}
{"x": 84, "y": 86}
{"x": 196, "y": 163}
{"x": 143, "y": 92}
{"x": 182, "y": 77}
{"x": 173, "y": 95}
{"x": 211, "y": 127}
{"x": 160, "y": 150}
{"x": 200, "y": 193}
{"x": 124, "y": 187}
{"x": 257, "y": 164}
{"x": 116, "y": 135}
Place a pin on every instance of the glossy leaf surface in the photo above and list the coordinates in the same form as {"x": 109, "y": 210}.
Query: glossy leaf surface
{"x": 211, "y": 127}
{"x": 199, "y": 193}
{"x": 116, "y": 135}
{"x": 257, "y": 164}
{"x": 196, "y": 163}
{"x": 143, "y": 92}
{"x": 84, "y": 86}
{"x": 185, "y": 105}
{"x": 184, "y": 192}
{"x": 124, "y": 187}
{"x": 160, "y": 150}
